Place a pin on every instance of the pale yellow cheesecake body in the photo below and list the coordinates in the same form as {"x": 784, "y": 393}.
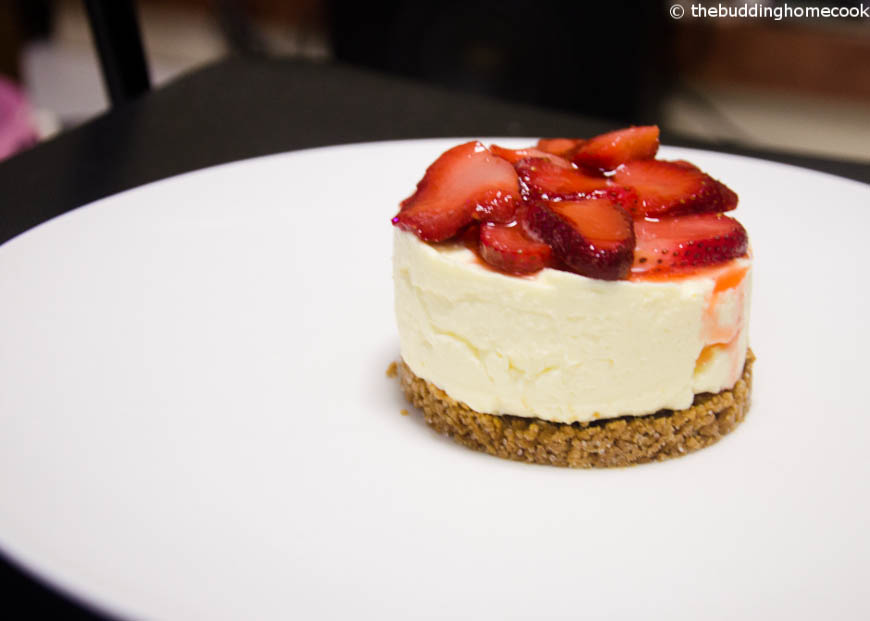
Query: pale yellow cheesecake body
{"x": 562, "y": 347}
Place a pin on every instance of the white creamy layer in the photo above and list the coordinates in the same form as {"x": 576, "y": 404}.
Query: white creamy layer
{"x": 560, "y": 346}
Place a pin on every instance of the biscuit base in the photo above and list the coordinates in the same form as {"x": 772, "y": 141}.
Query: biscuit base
{"x": 607, "y": 443}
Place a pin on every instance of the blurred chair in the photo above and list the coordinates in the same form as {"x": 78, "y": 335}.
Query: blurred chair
{"x": 118, "y": 39}
{"x": 607, "y": 59}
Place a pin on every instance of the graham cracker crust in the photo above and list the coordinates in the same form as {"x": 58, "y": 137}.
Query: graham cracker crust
{"x": 616, "y": 442}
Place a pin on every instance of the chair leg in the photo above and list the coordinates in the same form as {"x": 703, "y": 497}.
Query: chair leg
{"x": 115, "y": 28}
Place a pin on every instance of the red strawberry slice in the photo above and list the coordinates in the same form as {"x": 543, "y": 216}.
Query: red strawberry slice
{"x": 515, "y": 155}
{"x": 510, "y": 249}
{"x": 592, "y": 236}
{"x": 470, "y": 236}
{"x": 607, "y": 151}
{"x": 686, "y": 242}
{"x": 563, "y": 147}
{"x": 543, "y": 179}
{"x": 626, "y": 197}
{"x": 673, "y": 188}
{"x": 465, "y": 183}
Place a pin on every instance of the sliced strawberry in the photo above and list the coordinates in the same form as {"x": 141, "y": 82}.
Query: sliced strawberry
{"x": 470, "y": 236}
{"x": 685, "y": 242}
{"x": 607, "y": 151}
{"x": 685, "y": 164}
{"x": 626, "y": 197}
{"x": 592, "y": 236}
{"x": 511, "y": 250}
{"x": 563, "y": 147}
{"x": 465, "y": 183}
{"x": 543, "y": 179}
{"x": 515, "y": 155}
{"x": 673, "y": 188}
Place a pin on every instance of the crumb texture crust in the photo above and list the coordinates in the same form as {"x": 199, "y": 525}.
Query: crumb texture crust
{"x": 625, "y": 441}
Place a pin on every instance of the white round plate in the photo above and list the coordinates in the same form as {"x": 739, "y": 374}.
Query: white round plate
{"x": 195, "y": 421}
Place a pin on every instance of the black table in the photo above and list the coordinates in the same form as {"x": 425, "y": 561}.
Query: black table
{"x": 243, "y": 108}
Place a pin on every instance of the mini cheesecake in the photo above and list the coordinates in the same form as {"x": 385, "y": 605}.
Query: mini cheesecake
{"x": 577, "y": 303}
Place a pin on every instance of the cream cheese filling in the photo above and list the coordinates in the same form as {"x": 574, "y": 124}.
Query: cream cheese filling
{"x": 560, "y": 346}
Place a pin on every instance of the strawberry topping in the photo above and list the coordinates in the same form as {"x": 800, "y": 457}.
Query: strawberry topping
{"x": 673, "y": 188}
{"x": 510, "y": 249}
{"x": 607, "y": 151}
{"x": 592, "y": 236}
{"x": 542, "y": 178}
{"x": 685, "y": 164}
{"x": 467, "y": 182}
{"x": 563, "y": 147}
{"x": 515, "y": 155}
{"x": 687, "y": 242}
{"x": 556, "y": 205}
